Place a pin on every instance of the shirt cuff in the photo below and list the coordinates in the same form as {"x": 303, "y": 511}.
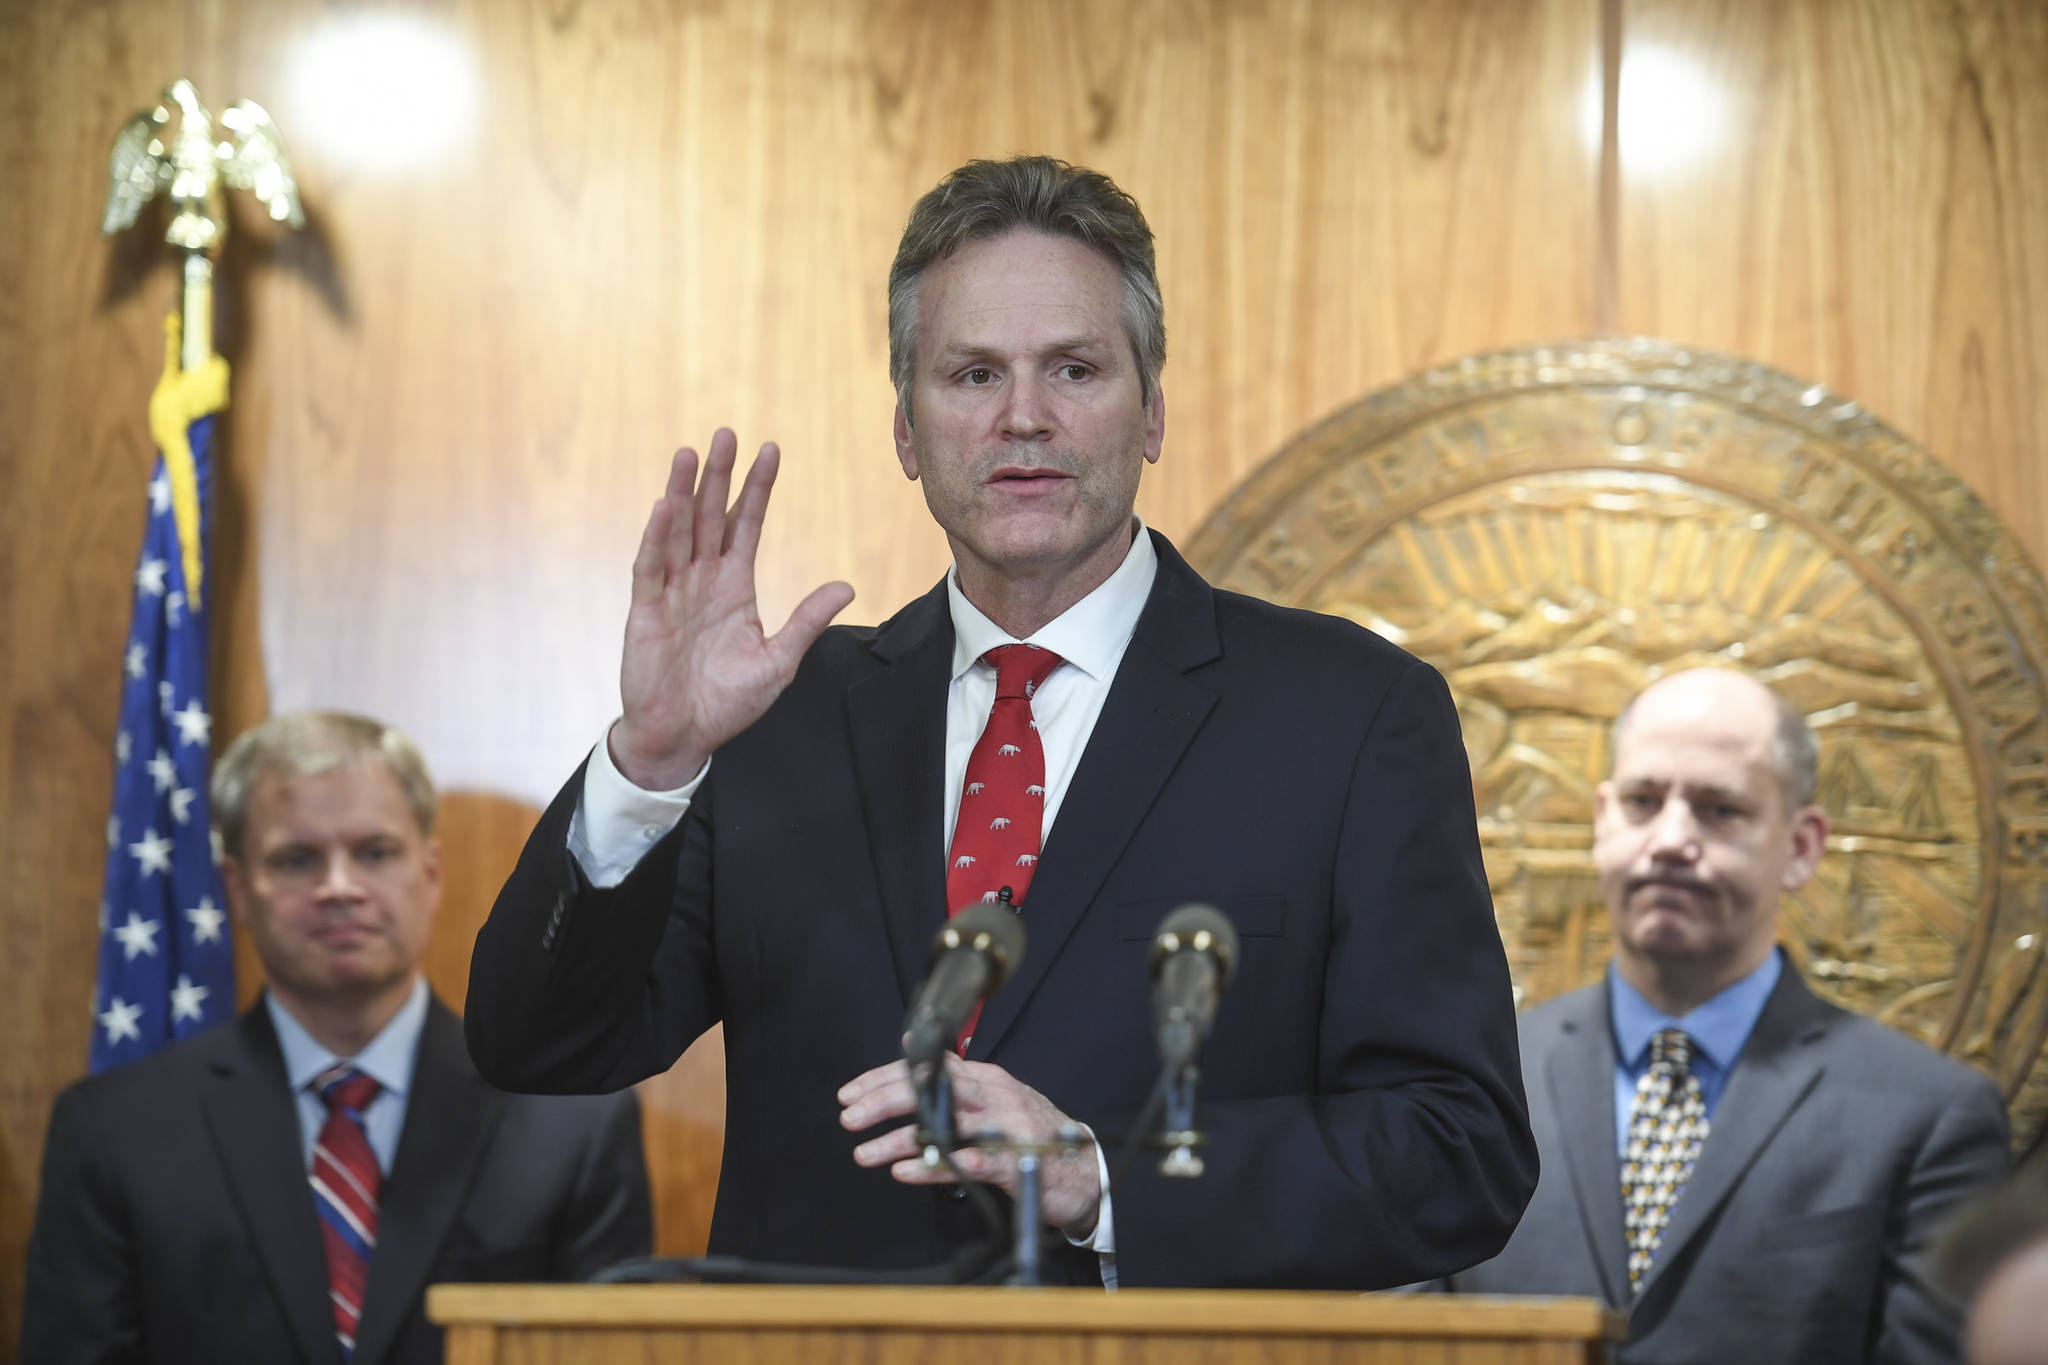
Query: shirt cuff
{"x": 615, "y": 822}
{"x": 1102, "y": 1241}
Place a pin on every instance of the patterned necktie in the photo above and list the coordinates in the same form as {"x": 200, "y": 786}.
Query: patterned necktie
{"x": 346, "y": 1183}
{"x": 1667, "y": 1125}
{"x": 1002, "y": 798}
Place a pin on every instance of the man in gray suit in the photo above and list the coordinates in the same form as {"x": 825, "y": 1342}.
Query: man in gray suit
{"x": 1750, "y": 1173}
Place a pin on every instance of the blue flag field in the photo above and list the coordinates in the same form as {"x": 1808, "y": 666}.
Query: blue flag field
{"x": 166, "y": 952}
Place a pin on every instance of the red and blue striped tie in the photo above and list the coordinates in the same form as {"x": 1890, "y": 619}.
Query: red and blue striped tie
{"x": 345, "y": 1186}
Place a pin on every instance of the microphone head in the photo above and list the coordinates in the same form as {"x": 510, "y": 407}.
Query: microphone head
{"x": 1202, "y": 928}
{"x": 991, "y": 929}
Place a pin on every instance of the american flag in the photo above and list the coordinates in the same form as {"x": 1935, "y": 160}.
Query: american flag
{"x": 167, "y": 962}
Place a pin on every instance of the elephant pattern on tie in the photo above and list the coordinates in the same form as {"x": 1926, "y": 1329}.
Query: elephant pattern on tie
{"x": 1001, "y": 824}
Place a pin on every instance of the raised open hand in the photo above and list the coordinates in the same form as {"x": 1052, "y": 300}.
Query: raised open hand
{"x": 697, "y": 668}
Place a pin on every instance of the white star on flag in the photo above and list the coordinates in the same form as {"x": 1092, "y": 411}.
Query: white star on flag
{"x": 206, "y": 920}
{"x": 219, "y": 849}
{"x": 187, "y": 1000}
{"x": 163, "y": 969}
{"x": 153, "y": 853}
{"x": 120, "y": 1019}
{"x": 137, "y": 936}
{"x": 194, "y": 725}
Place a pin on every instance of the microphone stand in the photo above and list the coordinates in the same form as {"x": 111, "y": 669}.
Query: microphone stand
{"x": 938, "y": 1134}
{"x": 935, "y": 1121}
{"x": 1179, "y": 1135}
{"x": 1026, "y": 1226}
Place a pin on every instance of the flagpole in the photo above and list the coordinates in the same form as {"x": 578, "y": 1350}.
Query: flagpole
{"x": 166, "y": 960}
{"x": 196, "y": 314}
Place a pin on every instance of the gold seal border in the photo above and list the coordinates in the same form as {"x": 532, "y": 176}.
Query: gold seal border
{"x": 1939, "y": 504}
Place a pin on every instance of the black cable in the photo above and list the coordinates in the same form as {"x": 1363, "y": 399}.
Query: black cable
{"x": 977, "y": 1263}
{"x": 1139, "y": 1135}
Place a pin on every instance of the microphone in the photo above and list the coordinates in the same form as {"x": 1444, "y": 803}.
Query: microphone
{"x": 971, "y": 956}
{"x": 1193, "y": 956}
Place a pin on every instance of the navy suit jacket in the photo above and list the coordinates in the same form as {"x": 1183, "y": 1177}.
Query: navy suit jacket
{"x": 176, "y": 1223}
{"x": 1361, "y": 1090}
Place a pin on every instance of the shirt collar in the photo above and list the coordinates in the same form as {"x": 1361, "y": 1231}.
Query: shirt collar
{"x": 1090, "y": 635}
{"x": 1718, "y": 1028}
{"x": 387, "y": 1058}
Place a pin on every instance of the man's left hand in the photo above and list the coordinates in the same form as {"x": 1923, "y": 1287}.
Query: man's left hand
{"x": 985, "y": 1098}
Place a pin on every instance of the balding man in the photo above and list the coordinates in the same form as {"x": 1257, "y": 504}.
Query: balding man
{"x": 2009, "y": 1322}
{"x": 1750, "y": 1173}
{"x": 1993, "y": 1258}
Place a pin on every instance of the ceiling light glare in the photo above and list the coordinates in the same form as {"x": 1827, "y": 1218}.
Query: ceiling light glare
{"x": 1672, "y": 114}
{"x": 383, "y": 91}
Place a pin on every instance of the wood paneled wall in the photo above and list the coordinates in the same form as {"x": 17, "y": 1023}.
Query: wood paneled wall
{"x": 1873, "y": 216}
{"x": 456, "y": 392}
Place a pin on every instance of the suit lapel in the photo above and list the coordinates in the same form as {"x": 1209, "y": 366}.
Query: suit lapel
{"x": 251, "y": 1116}
{"x": 448, "y": 1121}
{"x": 1147, "y": 721}
{"x": 1774, "y": 1073}
{"x": 1581, "y": 1079}
{"x": 897, "y": 720}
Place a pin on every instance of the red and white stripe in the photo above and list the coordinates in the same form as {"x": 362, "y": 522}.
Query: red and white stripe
{"x": 346, "y": 1182}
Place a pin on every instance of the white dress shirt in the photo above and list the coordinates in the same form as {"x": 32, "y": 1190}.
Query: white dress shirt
{"x": 615, "y": 822}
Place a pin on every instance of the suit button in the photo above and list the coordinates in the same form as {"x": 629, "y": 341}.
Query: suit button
{"x": 956, "y": 1191}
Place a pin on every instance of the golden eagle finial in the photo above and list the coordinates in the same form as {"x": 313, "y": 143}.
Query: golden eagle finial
{"x": 193, "y": 164}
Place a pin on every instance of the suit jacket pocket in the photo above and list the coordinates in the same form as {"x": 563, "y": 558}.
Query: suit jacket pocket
{"x": 1253, "y": 915}
{"x": 1860, "y": 1221}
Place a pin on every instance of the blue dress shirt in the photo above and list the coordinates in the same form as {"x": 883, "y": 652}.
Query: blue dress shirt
{"x": 388, "y": 1059}
{"x": 1718, "y": 1029}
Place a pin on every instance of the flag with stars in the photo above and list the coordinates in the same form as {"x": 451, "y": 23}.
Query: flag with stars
{"x": 166, "y": 960}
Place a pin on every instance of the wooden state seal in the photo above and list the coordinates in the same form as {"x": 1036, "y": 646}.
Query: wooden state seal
{"x": 1555, "y": 527}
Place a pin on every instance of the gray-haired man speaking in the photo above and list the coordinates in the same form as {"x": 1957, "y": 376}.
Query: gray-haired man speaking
{"x": 777, "y": 825}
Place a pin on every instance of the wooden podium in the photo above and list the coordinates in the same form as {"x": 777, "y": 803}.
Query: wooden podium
{"x": 715, "y": 1324}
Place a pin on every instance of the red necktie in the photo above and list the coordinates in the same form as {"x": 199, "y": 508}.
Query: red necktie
{"x": 1002, "y": 799}
{"x": 346, "y": 1183}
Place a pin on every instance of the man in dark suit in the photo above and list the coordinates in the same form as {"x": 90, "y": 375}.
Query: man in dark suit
{"x": 284, "y": 1188}
{"x": 1751, "y": 1173}
{"x": 1072, "y": 717}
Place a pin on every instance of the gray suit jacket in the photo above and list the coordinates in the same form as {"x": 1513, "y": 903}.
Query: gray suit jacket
{"x": 1835, "y": 1151}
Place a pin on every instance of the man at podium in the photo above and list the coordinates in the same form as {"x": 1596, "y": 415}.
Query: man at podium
{"x": 777, "y": 825}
